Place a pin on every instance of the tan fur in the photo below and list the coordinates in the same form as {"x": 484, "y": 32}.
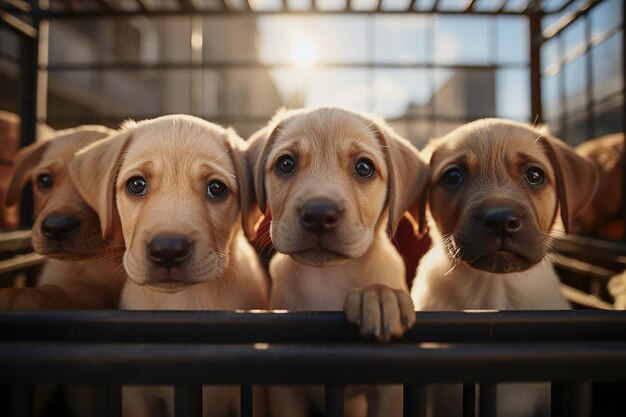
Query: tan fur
{"x": 89, "y": 281}
{"x": 469, "y": 269}
{"x": 355, "y": 264}
{"x": 603, "y": 217}
{"x": 178, "y": 156}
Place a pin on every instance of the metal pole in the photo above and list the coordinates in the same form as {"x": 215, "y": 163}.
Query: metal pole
{"x": 29, "y": 63}
{"x": 535, "y": 67}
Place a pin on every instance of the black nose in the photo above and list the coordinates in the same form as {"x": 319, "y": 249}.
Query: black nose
{"x": 169, "y": 251}
{"x": 59, "y": 227}
{"x": 319, "y": 215}
{"x": 502, "y": 221}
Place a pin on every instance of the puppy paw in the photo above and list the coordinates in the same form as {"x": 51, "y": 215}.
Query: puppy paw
{"x": 380, "y": 311}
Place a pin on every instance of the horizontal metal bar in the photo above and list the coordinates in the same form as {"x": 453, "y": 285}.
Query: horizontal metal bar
{"x": 575, "y": 265}
{"x": 20, "y": 262}
{"x": 183, "y": 364}
{"x": 66, "y": 14}
{"x": 114, "y": 120}
{"x": 555, "y": 30}
{"x": 305, "y": 327}
{"x": 16, "y": 25}
{"x": 596, "y": 248}
{"x": 15, "y": 240}
{"x": 127, "y": 66}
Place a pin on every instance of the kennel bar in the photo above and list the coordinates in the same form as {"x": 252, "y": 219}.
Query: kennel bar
{"x": 311, "y": 327}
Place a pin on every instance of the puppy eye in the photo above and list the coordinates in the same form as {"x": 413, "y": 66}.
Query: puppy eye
{"x": 216, "y": 189}
{"x": 45, "y": 181}
{"x": 136, "y": 186}
{"x": 364, "y": 168}
{"x": 534, "y": 176}
{"x": 286, "y": 164}
{"x": 453, "y": 176}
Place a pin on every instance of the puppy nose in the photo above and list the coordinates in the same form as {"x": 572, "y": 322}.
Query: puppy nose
{"x": 319, "y": 215}
{"x": 59, "y": 227}
{"x": 502, "y": 221}
{"x": 169, "y": 251}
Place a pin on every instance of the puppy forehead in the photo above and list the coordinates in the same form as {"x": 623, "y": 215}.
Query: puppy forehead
{"x": 324, "y": 134}
{"x": 496, "y": 145}
{"x": 174, "y": 147}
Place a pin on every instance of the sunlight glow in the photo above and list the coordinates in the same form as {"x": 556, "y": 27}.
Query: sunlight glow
{"x": 303, "y": 51}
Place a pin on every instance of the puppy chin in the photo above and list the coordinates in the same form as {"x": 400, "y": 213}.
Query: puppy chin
{"x": 501, "y": 263}
{"x": 498, "y": 257}
{"x": 319, "y": 258}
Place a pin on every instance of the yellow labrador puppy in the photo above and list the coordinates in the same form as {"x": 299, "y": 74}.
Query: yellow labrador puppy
{"x": 80, "y": 271}
{"x": 175, "y": 187}
{"x": 336, "y": 183}
{"x": 495, "y": 194}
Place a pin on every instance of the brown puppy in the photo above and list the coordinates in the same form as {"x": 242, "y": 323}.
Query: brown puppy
{"x": 65, "y": 229}
{"x": 174, "y": 187}
{"x": 603, "y": 217}
{"x": 496, "y": 191}
{"x": 336, "y": 182}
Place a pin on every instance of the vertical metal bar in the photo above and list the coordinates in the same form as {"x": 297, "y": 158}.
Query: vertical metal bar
{"x": 334, "y": 400}
{"x": 29, "y": 64}
{"x": 488, "y": 404}
{"x": 245, "y": 401}
{"x": 624, "y": 119}
{"x": 22, "y": 401}
{"x": 188, "y": 401}
{"x": 107, "y": 401}
{"x": 590, "y": 128}
{"x": 558, "y": 402}
{"x": 469, "y": 400}
{"x": 568, "y": 400}
{"x": 414, "y": 401}
{"x": 534, "y": 20}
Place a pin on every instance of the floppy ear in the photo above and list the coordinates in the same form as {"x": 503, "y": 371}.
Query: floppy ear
{"x": 250, "y": 212}
{"x": 25, "y": 162}
{"x": 576, "y": 179}
{"x": 408, "y": 180}
{"x": 94, "y": 171}
{"x": 257, "y": 149}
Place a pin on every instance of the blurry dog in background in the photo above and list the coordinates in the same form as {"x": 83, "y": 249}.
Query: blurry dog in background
{"x": 497, "y": 188}
{"x": 174, "y": 188}
{"x": 603, "y": 217}
{"x": 336, "y": 182}
{"x": 65, "y": 229}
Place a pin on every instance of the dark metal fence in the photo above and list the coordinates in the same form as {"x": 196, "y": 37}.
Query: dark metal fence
{"x": 188, "y": 349}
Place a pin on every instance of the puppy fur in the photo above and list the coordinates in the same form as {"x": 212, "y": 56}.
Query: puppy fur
{"x": 87, "y": 281}
{"x": 352, "y": 261}
{"x": 603, "y": 217}
{"x": 178, "y": 157}
{"x": 492, "y": 229}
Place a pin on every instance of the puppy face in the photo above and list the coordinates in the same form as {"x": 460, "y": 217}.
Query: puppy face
{"x": 65, "y": 227}
{"x": 174, "y": 185}
{"x": 327, "y": 178}
{"x": 496, "y": 190}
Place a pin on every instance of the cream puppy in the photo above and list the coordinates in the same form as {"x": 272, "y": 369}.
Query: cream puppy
{"x": 495, "y": 194}
{"x": 336, "y": 183}
{"x": 175, "y": 186}
{"x": 81, "y": 265}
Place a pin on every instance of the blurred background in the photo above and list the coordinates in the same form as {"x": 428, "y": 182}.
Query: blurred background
{"x": 427, "y": 73}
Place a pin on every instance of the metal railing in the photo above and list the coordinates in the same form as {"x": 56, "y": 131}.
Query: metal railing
{"x": 109, "y": 349}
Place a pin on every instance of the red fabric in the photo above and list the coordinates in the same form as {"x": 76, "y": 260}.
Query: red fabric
{"x": 410, "y": 247}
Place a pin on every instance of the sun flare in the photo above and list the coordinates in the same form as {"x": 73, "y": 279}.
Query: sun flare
{"x": 303, "y": 51}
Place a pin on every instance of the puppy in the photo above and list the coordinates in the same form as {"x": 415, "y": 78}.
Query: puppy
{"x": 497, "y": 188}
{"x": 336, "y": 183}
{"x": 603, "y": 217}
{"x": 65, "y": 229}
{"x": 174, "y": 187}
